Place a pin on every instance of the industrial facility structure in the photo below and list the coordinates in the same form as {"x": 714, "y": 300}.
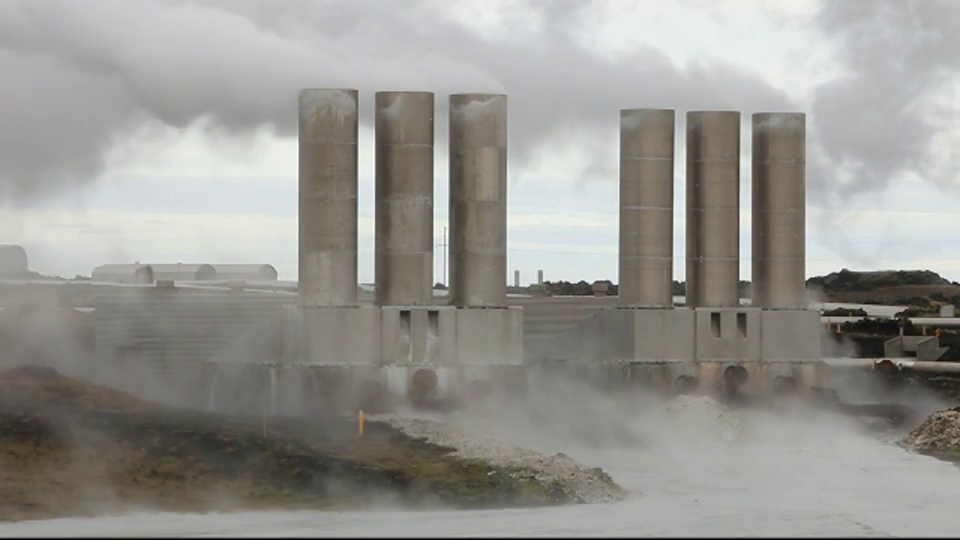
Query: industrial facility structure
{"x": 137, "y": 273}
{"x": 712, "y": 340}
{"x": 13, "y": 261}
{"x": 324, "y": 345}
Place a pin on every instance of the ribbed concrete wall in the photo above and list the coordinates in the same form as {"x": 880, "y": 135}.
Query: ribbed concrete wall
{"x": 646, "y": 207}
{"x": 328, "y": 197}
{"x": 404, "y": 198}
{"x": 779, "y": 210}
{"x": 713, "y": 208}
{"x": 478, "y": 200}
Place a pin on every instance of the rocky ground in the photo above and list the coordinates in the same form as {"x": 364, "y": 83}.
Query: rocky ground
{"x": 73, "y": 449}
{"x": 564, "y": 478}
{"x": 937, "y": 436}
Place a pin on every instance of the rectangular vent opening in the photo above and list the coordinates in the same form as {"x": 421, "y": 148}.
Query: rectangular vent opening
{"x": 405, "y": 323}
{"x": 433, "y": 318}
{"x": 742, "y": 324}
{"x": 715, "y": 324}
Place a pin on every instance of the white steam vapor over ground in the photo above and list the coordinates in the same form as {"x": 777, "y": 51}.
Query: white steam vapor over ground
{"x": 694, "y": 468}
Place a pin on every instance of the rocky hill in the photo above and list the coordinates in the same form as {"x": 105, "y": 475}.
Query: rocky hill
{"x": 69, "y": 448}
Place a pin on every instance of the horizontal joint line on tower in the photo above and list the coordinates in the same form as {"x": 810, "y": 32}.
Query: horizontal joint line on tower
{"x": 326, "y": 142}
{"x": 413, "y": 145}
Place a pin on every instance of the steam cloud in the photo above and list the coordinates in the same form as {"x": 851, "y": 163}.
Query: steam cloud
{"x": 79, "y": 76}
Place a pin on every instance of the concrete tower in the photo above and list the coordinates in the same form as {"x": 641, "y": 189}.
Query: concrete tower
{"x": 779, "y": 202}
{"x": 328, "y": 197}
{"x": 478, "y": 200}
{"x": 404, "y": 198}
{"x": 646, "y": 208}
{"x": 713, "y": 209}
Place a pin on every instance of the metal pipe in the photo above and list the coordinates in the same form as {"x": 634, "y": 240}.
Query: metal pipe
{"x": 930, "y": 367}
{"x": 779, "y": 210}
{"x": 646, "y": 208}
{"x": 404, "y": 198}
{"x": 328, "y": 197}
{"x": 713, "y": 209}
{"x": 478, "y": 200}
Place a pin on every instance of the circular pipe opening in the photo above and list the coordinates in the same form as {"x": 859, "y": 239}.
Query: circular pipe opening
{"x": 886, "y": 365}
{"x": 735, "y": 376}
{"x": 784, "y": 385}
{"x": 424, "y": 382}
{"x": 686, "y": 384}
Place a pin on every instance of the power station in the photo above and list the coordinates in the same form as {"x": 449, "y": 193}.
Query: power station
{"x": 713, "y": 340}
{"x": 404, "y": 345}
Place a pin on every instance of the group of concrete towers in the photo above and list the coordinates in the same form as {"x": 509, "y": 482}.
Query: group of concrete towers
{"x": 713, "y": 209}
{"x": 404, "y": 131}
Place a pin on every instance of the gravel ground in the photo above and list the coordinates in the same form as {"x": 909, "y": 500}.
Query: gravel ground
{"x": 938, "y": 433}
{"x": 586, "y": 485}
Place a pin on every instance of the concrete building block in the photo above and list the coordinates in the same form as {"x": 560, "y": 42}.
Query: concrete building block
{"x": 418, "y": 335}
{"x": 728, "y": 334}
{"x": 613, "y": 340}
{"x": 490, "y": 336}
{"x": 662, "y": 334}
{"x": 584, "y": 341}
{"x": 790, "y": 335}
{"x": 340, "y": 335}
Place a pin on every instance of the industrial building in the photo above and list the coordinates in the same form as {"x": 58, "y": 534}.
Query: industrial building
{"x": 712, "y": 340}
{"x": 13, "y": 261}
{"x": 329, "y": 346}
{"x": 137, "y": 273}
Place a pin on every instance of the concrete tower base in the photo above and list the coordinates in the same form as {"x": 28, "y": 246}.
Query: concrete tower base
{"x": 669, "y": 346}
{"x": 389, "y": 345}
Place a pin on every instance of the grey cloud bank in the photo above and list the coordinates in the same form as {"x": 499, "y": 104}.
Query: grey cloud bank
{"x": 79, "y": 76}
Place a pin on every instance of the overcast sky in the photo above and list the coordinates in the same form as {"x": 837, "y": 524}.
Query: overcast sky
{"x": 164, "y": 131}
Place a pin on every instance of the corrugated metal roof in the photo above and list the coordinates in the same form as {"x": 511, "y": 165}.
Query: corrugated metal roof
{"x": 260, "y": 272}
{"x": 119, "y": 268}
{"x": 175, "y": 271}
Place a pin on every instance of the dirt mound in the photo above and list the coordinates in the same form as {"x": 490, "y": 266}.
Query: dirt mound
{"x": 36, "y": 387}
{"x": 938, "y": 435}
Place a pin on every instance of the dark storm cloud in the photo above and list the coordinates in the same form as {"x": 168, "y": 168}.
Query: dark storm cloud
{"x": 86, "y": 72}
{"x": 895, "y": 103}
{"x": 77, "y": 75}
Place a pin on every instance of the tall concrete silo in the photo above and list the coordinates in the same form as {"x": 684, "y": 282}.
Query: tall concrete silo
{"x": 404, "y": 198}
{"x": 713, "y": 209}
{"x": 478, "y": 200}
{"x": 646, "y": 208}
{"x": 779, "y": 218}
{"x": 328, "y": 197}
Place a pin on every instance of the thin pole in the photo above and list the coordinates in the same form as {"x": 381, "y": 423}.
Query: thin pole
{"x": 444, "y": 256}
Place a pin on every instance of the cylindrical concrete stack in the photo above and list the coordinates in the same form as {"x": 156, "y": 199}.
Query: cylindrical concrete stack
{"x": 646, "y": 208}
{"x": 779, "y": 202}
{"x": 713, "y": 209}
{"x": 478, "y": 200}
{"x": 404, "y": 198}
{"x": 328, "y": 197}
